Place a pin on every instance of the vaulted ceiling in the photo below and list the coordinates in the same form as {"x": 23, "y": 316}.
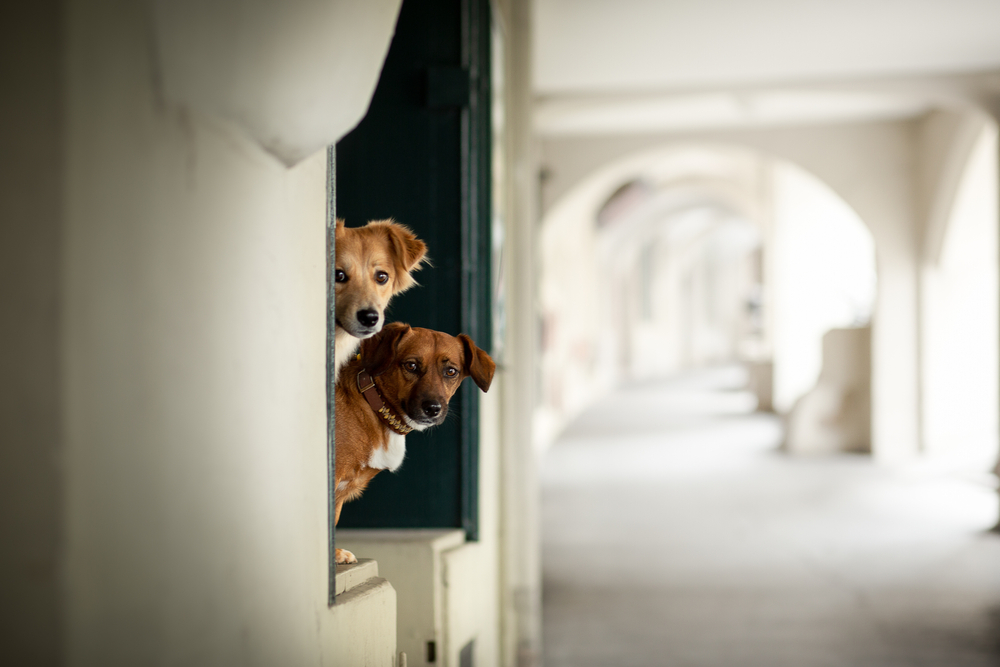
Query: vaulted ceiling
{"x": 683, "y": 64}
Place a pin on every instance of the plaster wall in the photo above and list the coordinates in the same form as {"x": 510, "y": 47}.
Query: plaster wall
{"x": 823, "y": 277}
{"x": 30, "y": 203}
{"x": 363, "y": 625}
{"x": 195, "y": 355}
{"x": 166, "y": 489}
{"x": 959, "y": 318}
{"x": 518, "y": 513}
{"x": 946, "y": 140}
{"x": 473, "y": 578}
{"x": 293, "y": 75}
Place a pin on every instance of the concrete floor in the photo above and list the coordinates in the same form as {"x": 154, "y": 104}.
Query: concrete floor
{"x": 675, "y": 534}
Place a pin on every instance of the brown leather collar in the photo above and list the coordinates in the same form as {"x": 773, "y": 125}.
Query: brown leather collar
{"x": 366, "y": 385}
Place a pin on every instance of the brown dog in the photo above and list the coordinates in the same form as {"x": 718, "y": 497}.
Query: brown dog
{"x": 403, "y": 382}
{"x": 373, "y": 264}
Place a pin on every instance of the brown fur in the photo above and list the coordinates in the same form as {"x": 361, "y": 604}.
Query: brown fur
{"x": 382, "y": 248}
{"x": 388, "y": 357}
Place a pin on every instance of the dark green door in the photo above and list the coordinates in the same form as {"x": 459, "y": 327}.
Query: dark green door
{"x": 422, "y": 156}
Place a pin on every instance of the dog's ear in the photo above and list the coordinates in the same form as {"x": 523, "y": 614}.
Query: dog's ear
{"x": 411, "y": 250}
{"x": 478, "y": 365}
{"x": 408, "y": 252}
{"x": 379, "y": 351}
{"x": 338, "y": 233}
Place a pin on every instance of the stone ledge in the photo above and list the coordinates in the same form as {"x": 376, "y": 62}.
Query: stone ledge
{"x": 361, "y": 590}
{"x": 362, "y": 626}
{"x": 355, "y": 574}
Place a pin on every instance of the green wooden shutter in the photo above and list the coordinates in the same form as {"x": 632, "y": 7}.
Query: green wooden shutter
{"x": 422, "y": 156}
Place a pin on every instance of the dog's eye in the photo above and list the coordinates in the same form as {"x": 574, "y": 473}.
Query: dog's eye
{"x": 450, "y": 372}
{"x": 381, "y": 277}
{"x": 340, "y": 276}
{"x": 410, "y": 366}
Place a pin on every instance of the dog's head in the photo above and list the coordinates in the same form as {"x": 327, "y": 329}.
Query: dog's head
{"x": 419, "y": 370}
{"x": 374, "y": 263}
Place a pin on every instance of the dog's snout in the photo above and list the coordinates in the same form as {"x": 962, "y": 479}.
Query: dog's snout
{"x": 431, "y": 408}
{"x": 368, "y": 317}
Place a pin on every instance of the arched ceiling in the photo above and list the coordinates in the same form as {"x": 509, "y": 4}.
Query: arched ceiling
{"x": 644, "y": 65}
{"x": 630, "y": 45}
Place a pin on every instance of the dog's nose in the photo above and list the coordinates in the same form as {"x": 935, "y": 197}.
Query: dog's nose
{"x": 368, "y": 317}
{"x": 431, "y": 408}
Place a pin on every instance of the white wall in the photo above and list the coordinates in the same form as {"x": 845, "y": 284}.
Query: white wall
{"x": 293, "y": 75}
{"x": 960, "y": 319}
{"x": 171, "y": 488}
{"x": 518, "y": 521}
{"x": 823, "y": 277}
{"x": 194, "y": 342}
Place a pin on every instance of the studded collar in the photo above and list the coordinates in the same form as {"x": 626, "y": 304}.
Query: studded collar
{"x": 366, "y": 385}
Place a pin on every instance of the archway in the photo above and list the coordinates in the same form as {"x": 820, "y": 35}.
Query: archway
{"x": 688, "y": 255}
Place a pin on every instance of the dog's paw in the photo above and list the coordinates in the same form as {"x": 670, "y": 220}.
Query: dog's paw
{"x": 344, "y": 557}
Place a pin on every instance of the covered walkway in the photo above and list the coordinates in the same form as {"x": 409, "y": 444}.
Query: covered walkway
{"x": 676, "y": 534}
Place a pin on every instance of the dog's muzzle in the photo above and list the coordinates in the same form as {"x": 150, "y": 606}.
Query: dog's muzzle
{"x": 366, "y": 323}
{"x": 428, "y": 412}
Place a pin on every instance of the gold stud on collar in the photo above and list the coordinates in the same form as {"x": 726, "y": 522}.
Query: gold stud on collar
{"x": 366, "y": 385}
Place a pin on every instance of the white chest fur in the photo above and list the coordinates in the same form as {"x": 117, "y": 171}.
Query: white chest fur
{"x": 347, "y": 347}
{"x": 391, "y": 456}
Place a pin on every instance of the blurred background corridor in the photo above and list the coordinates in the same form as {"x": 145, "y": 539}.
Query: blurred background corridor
{"x": 768, "y": 283}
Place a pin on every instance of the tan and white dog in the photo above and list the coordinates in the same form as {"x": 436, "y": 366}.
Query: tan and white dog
{"x": 402, "y": 382}
{"x": 373, "y": 264}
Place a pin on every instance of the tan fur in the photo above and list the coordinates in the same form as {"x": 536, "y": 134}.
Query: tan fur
{"x": 363, "y": 254}
{"x": 386, "y": 356}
